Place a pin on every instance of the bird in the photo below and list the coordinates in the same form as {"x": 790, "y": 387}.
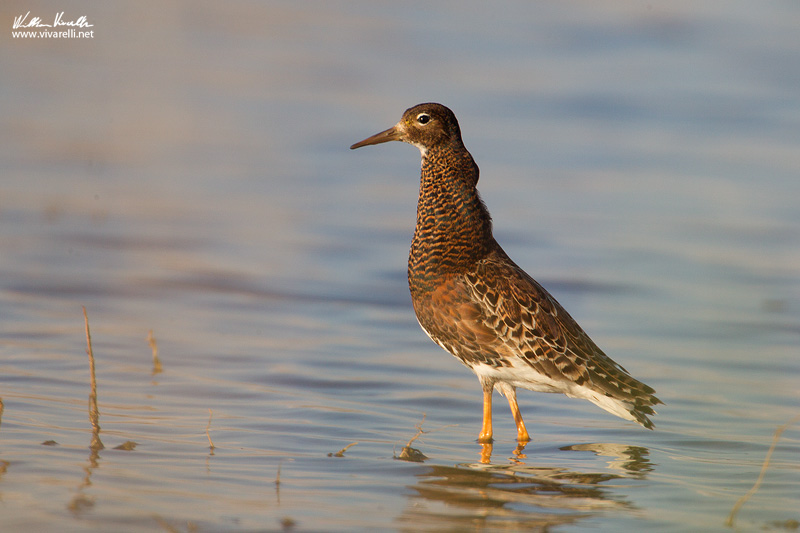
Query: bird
{"x": 471, "y": 299}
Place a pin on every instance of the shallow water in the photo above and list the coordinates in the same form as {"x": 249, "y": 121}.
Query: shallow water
{"x": 187, "y": 172}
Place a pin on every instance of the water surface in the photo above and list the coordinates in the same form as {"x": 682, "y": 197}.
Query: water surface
{"x": 186, "y": 172}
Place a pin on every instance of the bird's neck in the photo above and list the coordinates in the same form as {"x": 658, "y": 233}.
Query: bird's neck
{"x": 454, "y": 229}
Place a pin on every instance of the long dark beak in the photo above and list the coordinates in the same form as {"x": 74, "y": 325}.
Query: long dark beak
{"x": 392, "y": 134}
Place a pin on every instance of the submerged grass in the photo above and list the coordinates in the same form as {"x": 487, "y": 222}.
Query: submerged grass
{"x": 208, "y": 426}
{"x": 94, "y": 412}
{"x": 340, "y": 453}
{"x": 741, "y": 501}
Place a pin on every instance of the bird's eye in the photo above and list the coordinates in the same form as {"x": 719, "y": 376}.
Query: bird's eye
{"x": 423, "y": 118}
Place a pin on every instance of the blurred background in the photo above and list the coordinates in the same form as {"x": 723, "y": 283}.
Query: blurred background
{"x": 185, "y": 171}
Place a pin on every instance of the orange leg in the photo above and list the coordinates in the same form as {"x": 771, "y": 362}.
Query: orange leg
{"x": 486, "y": 430}
{"x": 522, "y": 433}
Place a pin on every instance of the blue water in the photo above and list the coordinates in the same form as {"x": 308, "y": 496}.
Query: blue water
{"x": 187, "y": 171}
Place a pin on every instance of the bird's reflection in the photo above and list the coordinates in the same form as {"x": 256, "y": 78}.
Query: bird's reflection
{"x": 513, "y": 493}
{"x": 632, "y": 460}
{"x": 517, "y": 455}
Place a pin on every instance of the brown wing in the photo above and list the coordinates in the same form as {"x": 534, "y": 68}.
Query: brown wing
{"x": 496, "y": 313}
{"x": 539, "y": 330}
{"x": 514, "y": 318}
{"x": 457, "y": 322}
